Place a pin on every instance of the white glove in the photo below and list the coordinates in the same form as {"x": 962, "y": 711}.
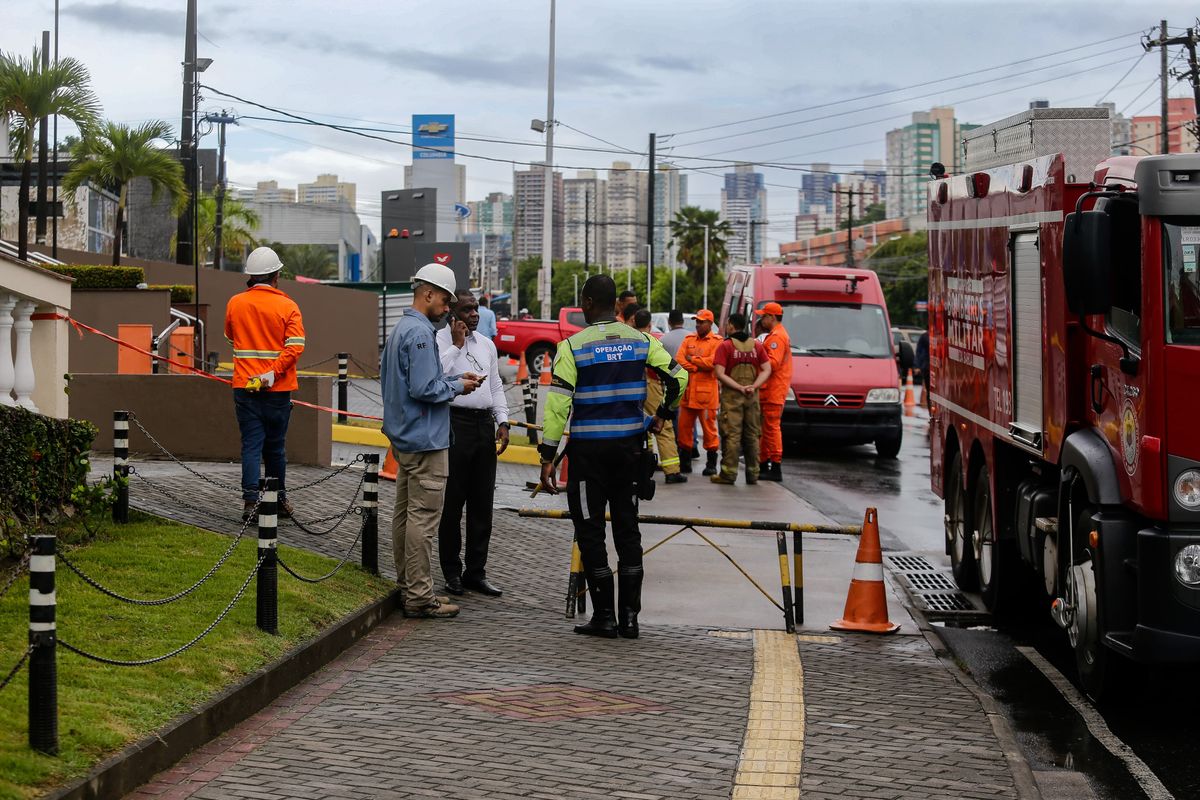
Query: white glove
{"x": 268, "y": 379}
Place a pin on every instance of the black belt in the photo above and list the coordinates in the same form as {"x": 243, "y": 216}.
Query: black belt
{"x": 478, "y": 413}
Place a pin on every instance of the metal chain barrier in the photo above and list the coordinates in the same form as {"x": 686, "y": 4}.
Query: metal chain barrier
{"x": 340, "y": 517}
{"x": 12, "y": 673}
{"x": 172, "y": 496}
{"x": 370, "y": 373}
{"x": 331, "y": 572}
{"x": 357, "y": 460}
{"x": 90, "y": 581}
{"x": 307, "y": 367}
{"x": 113, "y": 662}
{"x": 16, "y": 573}
{"x": 172, "y": 456}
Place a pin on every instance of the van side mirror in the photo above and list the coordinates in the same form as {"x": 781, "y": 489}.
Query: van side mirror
{"x": 1087, "y": 262}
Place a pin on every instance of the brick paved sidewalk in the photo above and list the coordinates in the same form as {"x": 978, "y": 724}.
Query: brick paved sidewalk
{"x": 505, "y": 702}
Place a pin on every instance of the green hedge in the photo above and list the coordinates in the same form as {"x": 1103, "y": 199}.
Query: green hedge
{"x": 98, "y": 277}
{"x": 43, "y": 472}
{"x": 180, "y": 292}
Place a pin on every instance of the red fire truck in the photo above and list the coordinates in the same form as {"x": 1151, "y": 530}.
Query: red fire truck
{"x": 1064, "y": 303}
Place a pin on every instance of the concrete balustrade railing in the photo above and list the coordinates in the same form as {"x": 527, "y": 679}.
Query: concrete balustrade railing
{"x": 33, "y": 340}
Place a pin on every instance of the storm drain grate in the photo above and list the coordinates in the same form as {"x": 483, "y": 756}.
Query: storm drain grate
{"x": 948, "y": 601}
{"x": 930, "y": 581}
{"x": 910, "y": 563}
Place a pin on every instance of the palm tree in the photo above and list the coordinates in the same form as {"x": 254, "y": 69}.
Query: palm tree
{"x": 113, "y": 154}
{"x": 238, "y": 223}
{"x": 30, "y": 93}
{"x": 687, "y": 229}
{"x": 310, "y": 260}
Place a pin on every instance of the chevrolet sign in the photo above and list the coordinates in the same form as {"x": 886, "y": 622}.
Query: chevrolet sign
{"x": 831, "y": 400}
{"x": 433, "y": 128}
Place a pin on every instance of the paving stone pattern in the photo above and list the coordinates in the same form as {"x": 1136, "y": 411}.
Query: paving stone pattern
{"x": 505, "y": 702}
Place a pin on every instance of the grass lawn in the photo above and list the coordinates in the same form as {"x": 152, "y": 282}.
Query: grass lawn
{"x": 102, "y": 708}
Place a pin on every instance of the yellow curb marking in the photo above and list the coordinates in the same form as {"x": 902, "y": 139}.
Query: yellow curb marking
{"x": 817, "y": 638}
{"x": 773, "y": 748}
{"x": 730, "y": 634}
{"x": 371, "y": 437}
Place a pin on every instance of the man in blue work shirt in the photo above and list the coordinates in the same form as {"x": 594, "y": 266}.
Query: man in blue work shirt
{"x": 487, "y": 319}
{"x": 416, "y": 420}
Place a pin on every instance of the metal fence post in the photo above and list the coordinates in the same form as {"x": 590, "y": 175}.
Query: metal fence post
{"x": 798, "y": 577}
{"x": 43, "y": 666}
{"x": 267, "y": 605}
{"x": 785, "y": 582}
{"x": 370, "y": 514}
{"x": 121, "y": 466}
{"x": 343, "y": 382}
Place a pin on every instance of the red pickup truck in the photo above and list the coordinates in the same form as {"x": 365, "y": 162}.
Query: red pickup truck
{"x": 537, "y": 338}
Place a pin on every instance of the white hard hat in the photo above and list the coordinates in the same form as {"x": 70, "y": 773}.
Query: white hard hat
{"x": 263, "y": 261}
{"x": 438, "y": 275}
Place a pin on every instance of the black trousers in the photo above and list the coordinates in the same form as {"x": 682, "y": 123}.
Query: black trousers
{"x": 471, "y": 482}
{"x": 602, "y": 474}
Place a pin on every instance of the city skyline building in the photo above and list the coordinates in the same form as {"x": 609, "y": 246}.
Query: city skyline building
{"x": 327, "y": 189}
{"x": 670, "y": 195}
{"x": 529, "y": 203}
{"x": 1146, "y": 137}
{"x": 815, "y": 186}
{"x": 626, "y": 195}
{"x": 932, "y": 136}
{"x": 744, "y": 207}
{"x": 584, "y": 207}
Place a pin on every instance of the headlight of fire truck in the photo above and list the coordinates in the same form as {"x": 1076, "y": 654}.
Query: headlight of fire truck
{"x": 1187, "y": 489}
{"x": 1187, "y": 565}
{"x": 883, "y": 396}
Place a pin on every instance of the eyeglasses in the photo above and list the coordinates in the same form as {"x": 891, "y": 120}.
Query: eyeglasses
{"x": 474, "y": 362}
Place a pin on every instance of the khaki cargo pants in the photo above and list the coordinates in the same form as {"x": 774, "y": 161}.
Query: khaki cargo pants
{"x": 668, "y": 453}
{"x": 741, "y": 426}
{"x": 420, "y": 489}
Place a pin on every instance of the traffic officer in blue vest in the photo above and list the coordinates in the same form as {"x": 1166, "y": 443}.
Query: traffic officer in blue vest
{"x": 600, "y": 372}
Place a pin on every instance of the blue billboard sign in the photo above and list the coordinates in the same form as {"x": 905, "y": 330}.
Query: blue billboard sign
{"x": 433, "y": 136}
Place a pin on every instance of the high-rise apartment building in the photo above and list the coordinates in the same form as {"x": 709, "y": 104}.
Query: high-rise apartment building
{"x": 493, "y": 215}
{"x": 744, "y": 207}
{"x": 933, "y": 136}
{"x": 327, "y": 189}
{"x": 529, "y": 203}
{"x": 670, "y": 195}
{"x": 626, "y": 196}
{"x": 584, "y": 208}
{"x": 854, "y": 193}
{"x": 268, "y": 192}
{"x": 815, "y": 186}
{"x": 1181, "y": 132}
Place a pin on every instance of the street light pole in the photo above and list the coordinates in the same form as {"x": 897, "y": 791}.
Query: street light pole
{"x": 548, "y": 204}
{"x": 222, "y": 119}
{"x": 705, "y": 266}
{"x": 649, "y": 273}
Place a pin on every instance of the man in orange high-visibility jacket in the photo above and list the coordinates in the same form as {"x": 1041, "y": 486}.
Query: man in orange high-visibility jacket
{"x": 774, "y": 393}
{"x": 264, "y": 327}
{"x": 702, "y": 400}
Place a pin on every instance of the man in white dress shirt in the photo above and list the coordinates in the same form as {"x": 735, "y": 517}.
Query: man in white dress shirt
{"x": 479, "y": 427}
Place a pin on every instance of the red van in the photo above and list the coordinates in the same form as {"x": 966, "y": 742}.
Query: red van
{"x": 845, "y": 386}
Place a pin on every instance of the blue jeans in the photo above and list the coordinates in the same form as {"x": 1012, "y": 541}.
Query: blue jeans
{"x": 263, "y": 420}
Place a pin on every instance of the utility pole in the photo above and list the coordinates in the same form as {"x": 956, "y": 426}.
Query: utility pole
{"x": 1193, "y": 75}
{"x": 587, "y": 226}
{"x": 54, "y": 218}
{"x": 548, "y": 206}
{"x": 43, "y": 136}
{"x": 850, "y": 194}
{"x": 1162, "y": 43}
{"x": 650, "y": 213}
{"x": 222, "y": 119}
{"x": 187, "y": 145}
{"x": 705, "y": 267}
{"x": 1163, "y": 82}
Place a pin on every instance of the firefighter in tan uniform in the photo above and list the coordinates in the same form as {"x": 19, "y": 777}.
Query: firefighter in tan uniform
{"x": 742, "y": 367}
{"x": 668, "y": 452}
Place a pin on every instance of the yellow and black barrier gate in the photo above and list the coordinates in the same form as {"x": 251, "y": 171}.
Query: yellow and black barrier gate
{"x": 792, "y": 591}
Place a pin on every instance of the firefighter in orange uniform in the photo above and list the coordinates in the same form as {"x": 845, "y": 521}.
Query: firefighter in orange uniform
{"x": 774, "y": 393}
{"x": 702, "y": 399}
{"x": 265, "y": 330}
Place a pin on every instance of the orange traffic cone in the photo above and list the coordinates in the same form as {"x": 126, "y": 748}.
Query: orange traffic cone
{"x": 544, "y": 378}
{"x": 866, "y": 604}
{"x": 562, "y": 473}
{"x": 388, "y": 472}
{"x": 910, "y": 402}
{"x": 522, "y": 370}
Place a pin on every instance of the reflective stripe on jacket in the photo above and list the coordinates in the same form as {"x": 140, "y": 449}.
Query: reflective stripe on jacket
{"x": 264, "y": 327}
{"x": 600, "y": 375}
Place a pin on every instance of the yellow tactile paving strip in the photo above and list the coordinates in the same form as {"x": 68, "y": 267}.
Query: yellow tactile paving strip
{"x": 772, "y": 751}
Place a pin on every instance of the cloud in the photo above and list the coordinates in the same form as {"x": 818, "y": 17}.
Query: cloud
{"x": 673, "y": 63}
{"x": 129, "y": 17}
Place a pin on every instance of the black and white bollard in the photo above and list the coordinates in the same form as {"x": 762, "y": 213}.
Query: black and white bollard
{"x": 529, "y": 391}
{"x": 43, "y": 666}
{"x": 121, "y": 466}
{"x": 370, "y": 515}
{"x": 267, "y": 599}
{"x": 343, "y": 383}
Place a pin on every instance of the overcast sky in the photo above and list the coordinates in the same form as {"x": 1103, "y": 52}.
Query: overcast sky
{"x": 625, "y": 68}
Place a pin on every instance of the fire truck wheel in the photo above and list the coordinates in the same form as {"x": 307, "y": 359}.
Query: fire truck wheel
{"x": 535, "y": 357}
{"x": 1098, "y": 667}
{"x": 958, "y": 542}
{"x": 992, "y": 557}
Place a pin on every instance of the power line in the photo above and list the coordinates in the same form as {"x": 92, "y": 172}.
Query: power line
{"x": 1123, "y": 77}
{"x": 905, "y": 88}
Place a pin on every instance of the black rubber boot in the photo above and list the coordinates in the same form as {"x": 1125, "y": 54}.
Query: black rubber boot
{"x": 629, "y": 588}
{"x": 710, "y": 466}
{"x": 776, "y": 471}
{"x": 770, "y": 472}
{"x": 685, "y": 465}
{"x": 603, "y": 622}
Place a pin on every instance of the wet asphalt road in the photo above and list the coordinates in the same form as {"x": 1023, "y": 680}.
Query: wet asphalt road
{"x": 1157, "y": 718}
